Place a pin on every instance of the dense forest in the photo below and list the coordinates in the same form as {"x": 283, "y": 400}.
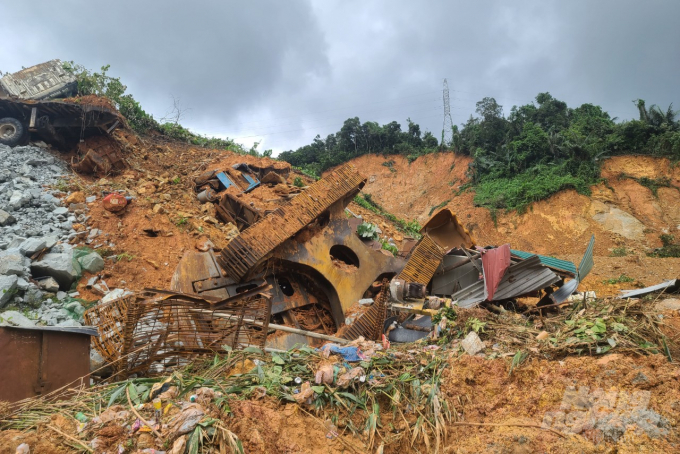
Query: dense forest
{"x": 536, "y": 150}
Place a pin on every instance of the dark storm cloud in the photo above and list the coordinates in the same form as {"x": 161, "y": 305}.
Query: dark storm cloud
{"x": 283, "y": 71}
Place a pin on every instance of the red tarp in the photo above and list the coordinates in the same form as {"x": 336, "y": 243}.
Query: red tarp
{"x": 494, "y": 263}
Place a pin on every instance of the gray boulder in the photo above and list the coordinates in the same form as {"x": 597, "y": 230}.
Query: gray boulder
{"x": 60, "y": 266}
{"x": 31, "y": 246}
{"x": 49, "y": 285}
{"x": 12, "y": 261}
{"x": 14, "y": 318}
{"x": 6, "y": 218}
{"x": 92, "y": 262}
{"x": 8, "y": 288}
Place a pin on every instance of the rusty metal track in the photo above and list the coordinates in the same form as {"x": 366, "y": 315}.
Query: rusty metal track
{"x": 423, "y": 263}
{"x": 370, "y": 324}
{"x": 252, "y": 246}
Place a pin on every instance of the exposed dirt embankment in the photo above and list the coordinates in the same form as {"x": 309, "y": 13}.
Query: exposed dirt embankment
{"x": 621, "y": 212}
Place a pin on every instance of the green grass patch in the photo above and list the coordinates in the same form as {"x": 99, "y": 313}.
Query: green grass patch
{"x": 619, "y": 252}
{"x": 518, "y": 192}
{"x": 618, "y": 280}
{"x": 670, "y": 247}
{"x": 411, "y": 228}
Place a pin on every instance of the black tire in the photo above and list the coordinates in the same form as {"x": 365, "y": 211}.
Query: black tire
{"x": 11, "y": 131}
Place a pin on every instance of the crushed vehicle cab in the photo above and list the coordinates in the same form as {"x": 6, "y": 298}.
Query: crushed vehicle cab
{"x": 28, "y": 106}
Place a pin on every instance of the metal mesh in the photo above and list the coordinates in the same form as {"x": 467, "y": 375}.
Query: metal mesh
{"x": 166, "y": 330}
{"x": 109, "y": 318}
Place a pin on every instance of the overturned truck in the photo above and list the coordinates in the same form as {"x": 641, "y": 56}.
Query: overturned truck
{"x": 35, "y": 104}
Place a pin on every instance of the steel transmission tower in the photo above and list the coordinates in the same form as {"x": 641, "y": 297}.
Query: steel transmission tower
{"x": 447, "y": 129}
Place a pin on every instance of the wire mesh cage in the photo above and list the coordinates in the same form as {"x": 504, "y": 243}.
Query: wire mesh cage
{"x": 152, "y": 332}
{"x": 109, "y": 318}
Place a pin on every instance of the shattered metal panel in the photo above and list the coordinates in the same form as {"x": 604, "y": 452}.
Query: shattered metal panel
{"x": 584, "y": 268}
{"x": 523, "y": 278}
{"x": 168, "y": 330}
{"x": 231, "y": 209}
{"x": 551, "y": 262}
{"x": 109, "y": 318}
{"x": 451, "y": 281}
{"x": 445, "y": 229}
{"x": 587, "y": 262}
{"x": 423, "y": 262}
{"x": 494, "y": 263}
{"x": 253, "y": 246}
{"x": 520, "y": 279}
{"x": 668, "y": 285}
{"x": 150, "y": 332}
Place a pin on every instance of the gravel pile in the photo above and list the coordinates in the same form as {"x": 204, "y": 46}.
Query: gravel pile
{"x": 38, "y": 266}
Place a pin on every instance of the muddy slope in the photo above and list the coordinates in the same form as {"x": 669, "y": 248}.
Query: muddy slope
{"x": 620, "y": 211}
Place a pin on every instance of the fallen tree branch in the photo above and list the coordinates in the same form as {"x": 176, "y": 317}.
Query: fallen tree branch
{"x": 75, "y": 440}
{"x": 132, "y": 407}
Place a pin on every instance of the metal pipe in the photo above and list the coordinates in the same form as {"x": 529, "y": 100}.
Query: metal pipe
{"x": 283, "y": 328}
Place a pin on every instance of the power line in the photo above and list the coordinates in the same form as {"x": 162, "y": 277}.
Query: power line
{"x": 447, "y": 128}
{"x": 316, "y": 127}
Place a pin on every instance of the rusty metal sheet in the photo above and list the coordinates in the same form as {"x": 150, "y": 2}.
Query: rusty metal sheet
{"x": 423, "y": 262}
{"x": 521, "y": 278}
{"x": 249, "y": 249}
{"x": 231, "y": 209}
{"x": 495, "y": 263}
{"x": 35, "y": 361}
{"x": 446, "y": 230}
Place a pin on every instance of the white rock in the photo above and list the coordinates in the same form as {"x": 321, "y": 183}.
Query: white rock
{"x": 8, "y": 288}
{"x": 472, "y": 344}
{"x": 14, "y": 318}
{"x": 115, "y": 294}
{"x": 6, "y": 218}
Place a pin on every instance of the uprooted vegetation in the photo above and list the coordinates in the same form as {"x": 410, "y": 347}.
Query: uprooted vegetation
{"x": 408, "y": 397}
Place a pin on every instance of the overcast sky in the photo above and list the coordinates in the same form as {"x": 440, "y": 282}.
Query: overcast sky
{"x": 282, "y": 72}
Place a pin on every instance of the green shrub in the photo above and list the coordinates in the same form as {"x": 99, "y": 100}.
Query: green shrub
{"x": 669, "y": 247}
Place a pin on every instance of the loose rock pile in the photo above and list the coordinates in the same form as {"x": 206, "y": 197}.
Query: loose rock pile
{"x": 38, "y": 266}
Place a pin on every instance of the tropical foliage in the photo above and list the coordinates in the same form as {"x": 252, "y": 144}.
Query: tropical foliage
{"x": 535, "y": 151}
{"x": 355, "y": 139}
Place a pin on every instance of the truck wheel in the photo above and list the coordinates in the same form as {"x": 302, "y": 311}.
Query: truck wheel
{"x": 11, "y": 131}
